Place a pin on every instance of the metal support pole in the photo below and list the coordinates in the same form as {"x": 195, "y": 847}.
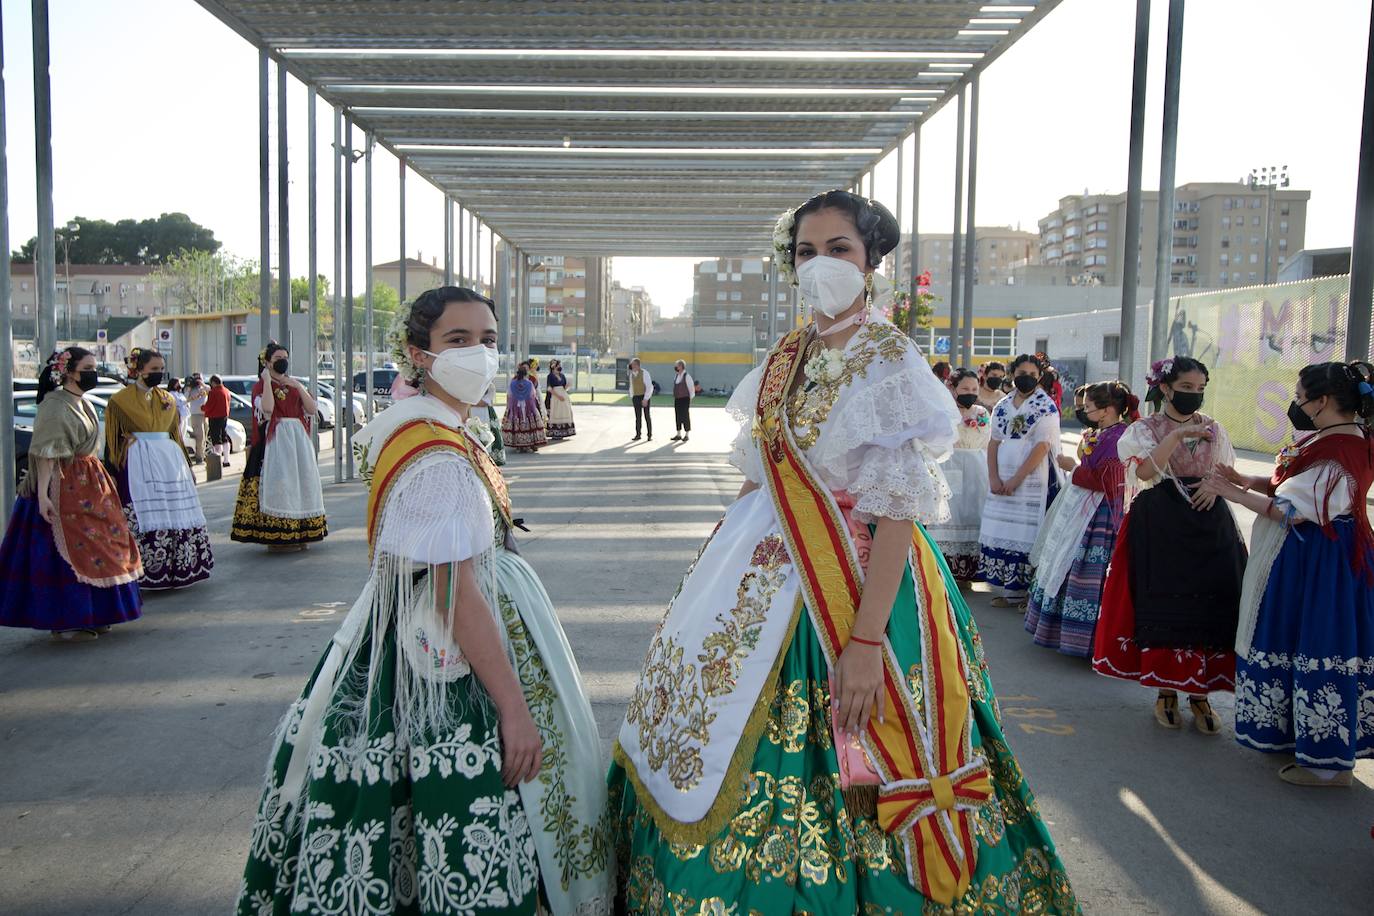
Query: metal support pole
{"x": 897, "y": 254}
{"x": 772, "y": 300}
{"x": 264, "y": 205}
{"x": 448, "y": 240}
{"x": 283, "y": 218}
{"x": 461, "y": 261}
{"x": 401, "y": 274}
{"x": 1362, "y": 242}
{"x": 1130, "y": 275}
{"x": 503, "y": 299}
{"x": 312, "y": 254}
{"x": 956, "y": 240}
{"x": 45, "y": 257}
{"x": 346, "y": 377}
{"x": 370, "y": 342}
{"x": 971, "y": 234}
{"x": 915, "y": 223}
{"x": 491, "y": 260}
{"x": 1168, "y": 153}
{"x": 474, "y": 267}
{"x": 342, "y": 383}
{"x": 7, "y": 481}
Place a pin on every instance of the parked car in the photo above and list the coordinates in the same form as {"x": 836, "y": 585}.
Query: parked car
{"x": 359, "y": 401}
{"x": 26, "y": 411}
{"x": 241, "y": 386}
{"x": 234, "y": 429}
{"x": 382, "y": 380}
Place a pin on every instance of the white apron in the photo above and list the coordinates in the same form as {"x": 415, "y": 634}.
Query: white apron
{"x": 290, "y": 485}
{"x": 161, "y": 486}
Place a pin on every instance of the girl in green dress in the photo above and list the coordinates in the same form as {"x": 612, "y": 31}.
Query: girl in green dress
{"x": 443, "y": 757}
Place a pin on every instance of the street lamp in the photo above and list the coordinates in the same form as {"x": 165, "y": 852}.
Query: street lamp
{"x": 1268, "y": 178}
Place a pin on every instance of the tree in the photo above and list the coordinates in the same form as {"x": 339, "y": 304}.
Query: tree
{"x": 198, "y": 281}
{"x": 129, "y": 241}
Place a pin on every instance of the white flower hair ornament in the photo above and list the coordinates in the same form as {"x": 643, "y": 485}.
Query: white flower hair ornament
{"x": 783, "y": 250}
{"x": 1158, "y": 371}
{"x": 399, "y": 348}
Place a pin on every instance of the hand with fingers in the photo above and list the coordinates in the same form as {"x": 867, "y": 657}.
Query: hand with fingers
{"x": 522, "y": 750}
{"x": 859, "y": 686}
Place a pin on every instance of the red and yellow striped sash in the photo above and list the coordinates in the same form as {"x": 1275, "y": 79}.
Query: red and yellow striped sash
{"x": 415, "y": 440}
{"x": 932, "y": 783}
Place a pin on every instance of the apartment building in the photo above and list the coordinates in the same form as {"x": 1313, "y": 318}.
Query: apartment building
{"x": 632, "y": 313}
{"x": 998, "y": 250}
{"x": 96, "y": 293}
{"x": 735, "y": 290}
{"x": 1223, "y": 233}
{"x": 569, "y": 305}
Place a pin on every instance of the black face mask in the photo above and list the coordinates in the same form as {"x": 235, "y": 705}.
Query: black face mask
{"x": 1082, "y": 416}
{"x": 1299, "y": 418}
{"x": 152, "y": 379}
{"x": 994, "y": 382}
{"x": 1025, "y": 383}
{"x": 87, "y": 379}
{"x": 280, "y": 366}
{"x": 1186, "y": 402}
{"x": 966, "y": 400}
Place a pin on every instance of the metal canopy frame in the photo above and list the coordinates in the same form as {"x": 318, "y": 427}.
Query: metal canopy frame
{"x": 634, "y": 127}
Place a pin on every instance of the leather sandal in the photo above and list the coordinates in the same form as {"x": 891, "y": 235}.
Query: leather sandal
{"x": 1166, "y": 711}
{"x": 1296, "y": 774}
{"x": 1204, "y": 716}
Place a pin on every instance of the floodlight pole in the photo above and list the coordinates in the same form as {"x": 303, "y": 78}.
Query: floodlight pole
{"x": 971, "y": 234}
{"x": 1362, "y": 242}
{"x": 345, "y": 376}
{"x": 1130, "y": 275}
{"x": 897, "y": 253}
{"x": 264, "y": 204}
{"x": 283, "y": 218}
{"x": 956, "y": 240}
{"x": 1168, "y": 153}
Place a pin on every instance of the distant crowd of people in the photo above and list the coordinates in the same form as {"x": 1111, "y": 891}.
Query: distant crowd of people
{"x": 1126, "y": 553}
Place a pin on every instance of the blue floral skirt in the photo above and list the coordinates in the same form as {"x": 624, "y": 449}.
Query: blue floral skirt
{"x": 38, "y": 588}
{"x": 1067, "y": 621}
{"x": 1307, "y": 684}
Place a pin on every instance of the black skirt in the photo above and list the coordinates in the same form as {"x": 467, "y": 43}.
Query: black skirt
{"x": 1186, "y": 570}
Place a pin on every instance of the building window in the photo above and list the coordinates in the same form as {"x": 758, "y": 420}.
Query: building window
{"x": 720, "y": 314}
{"x": 1283, "y": 225}
{"x": 1254, "y": 258}
{"x": 1254, "y": 240}
{"x": 720, "y": 278}
{"x": 721, "y": 295}
{"x": 536, "y": 311}
{"x": 1226, "y": 222}
{"x": 1225, "y": 259}
{"x": 736, "y": 316}
{"x": 1254, "y": 277}
{"x": 994, "y": 341}
{"x": 736, "y": 296}
{"x": 1224, "y": 278}
{"x": 1042, "y": 345}
{"x": 1111, "y": 348}
{"x": 1283, "y": 209}
{"x": 1283, "y": 244}
{"x": 1254, "y": 221}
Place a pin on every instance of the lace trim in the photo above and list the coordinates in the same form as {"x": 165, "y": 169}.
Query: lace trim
{"x": 894, "y": 406}
{"x": 901, "y": 483}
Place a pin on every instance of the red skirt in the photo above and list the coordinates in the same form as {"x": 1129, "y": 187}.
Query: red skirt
{"x": 1116, "y": 653}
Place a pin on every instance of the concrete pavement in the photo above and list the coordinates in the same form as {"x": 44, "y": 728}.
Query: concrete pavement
{"x": 130, "y": 767}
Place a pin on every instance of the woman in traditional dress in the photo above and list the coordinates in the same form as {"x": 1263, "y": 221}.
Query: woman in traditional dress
{"x": 1066, "y": 593}
{"x": 990, "y": 392}
{"x": 561, "y": 424}
{"x": 1172, "y": 595}
{"x": 443, "y": 758}
{"x": 1021, "y": 482}
{"x": 147, "y": 458}
{"x": 522, "y": 427}
{"x": 1305, "y": 679}
{"x": 69, "y": 563}
{"x": 966, "y": 470}
{"x": 813, "y": 730}
{"x": 280, "y": 502}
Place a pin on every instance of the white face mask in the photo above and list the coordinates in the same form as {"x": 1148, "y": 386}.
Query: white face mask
{"x": 464, "y": 372}
{"x": 829, "y": 285}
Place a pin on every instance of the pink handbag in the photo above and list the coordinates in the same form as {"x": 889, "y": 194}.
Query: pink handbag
{"x": 855, "y": 767}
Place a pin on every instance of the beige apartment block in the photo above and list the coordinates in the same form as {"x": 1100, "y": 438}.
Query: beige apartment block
{"x": 1223, "y": 233}
{"x": 998, "y": 250}
{"x": 735, "y": 290}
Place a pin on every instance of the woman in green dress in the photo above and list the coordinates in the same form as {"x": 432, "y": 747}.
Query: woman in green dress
{"x": 814, "y": 729}
{"x": 443, "y": 757}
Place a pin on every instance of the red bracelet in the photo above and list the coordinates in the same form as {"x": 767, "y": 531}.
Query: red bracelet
{"x": 863, "y": 642}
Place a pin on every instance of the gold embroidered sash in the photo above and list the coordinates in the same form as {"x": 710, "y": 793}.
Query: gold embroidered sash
{"x": 413, "y": 441}
{"x": 932, "y": 783}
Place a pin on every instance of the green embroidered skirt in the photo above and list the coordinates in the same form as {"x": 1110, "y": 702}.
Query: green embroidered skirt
{"x": 795, "y": 846}
{"x": 428, "y": 829}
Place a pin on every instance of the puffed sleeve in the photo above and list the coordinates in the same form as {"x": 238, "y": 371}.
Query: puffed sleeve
{"x": 903, "y": 483}
{"x": 438, "y": 512}
{"x": 1318, "y": 494}
{"x": 744, "y": 454}
{"x": 1223, "y": 452}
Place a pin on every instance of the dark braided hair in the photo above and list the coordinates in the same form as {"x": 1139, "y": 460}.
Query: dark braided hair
{"x": 1181, "y": 366}
{"x": 1032, "y": 358}
{"x": 1115, "y": 393}
{"x": 1351, "y": 384}
{"x": 877, "y": 226}
{"x": 958, "y": 375}
{"x": 46, "y": 381}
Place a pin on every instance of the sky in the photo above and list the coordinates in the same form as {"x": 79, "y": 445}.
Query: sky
{"x": 155, "y": 110}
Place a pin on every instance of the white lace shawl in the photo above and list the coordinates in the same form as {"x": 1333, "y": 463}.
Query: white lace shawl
{"x": 882, "y": 440}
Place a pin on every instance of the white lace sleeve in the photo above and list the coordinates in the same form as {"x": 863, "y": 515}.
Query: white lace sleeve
{"x": 744, "y": 454}
{"x": 438, "y": 512}
{"x": 900, "y": 483}
{"x": 1318, "y": 494}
